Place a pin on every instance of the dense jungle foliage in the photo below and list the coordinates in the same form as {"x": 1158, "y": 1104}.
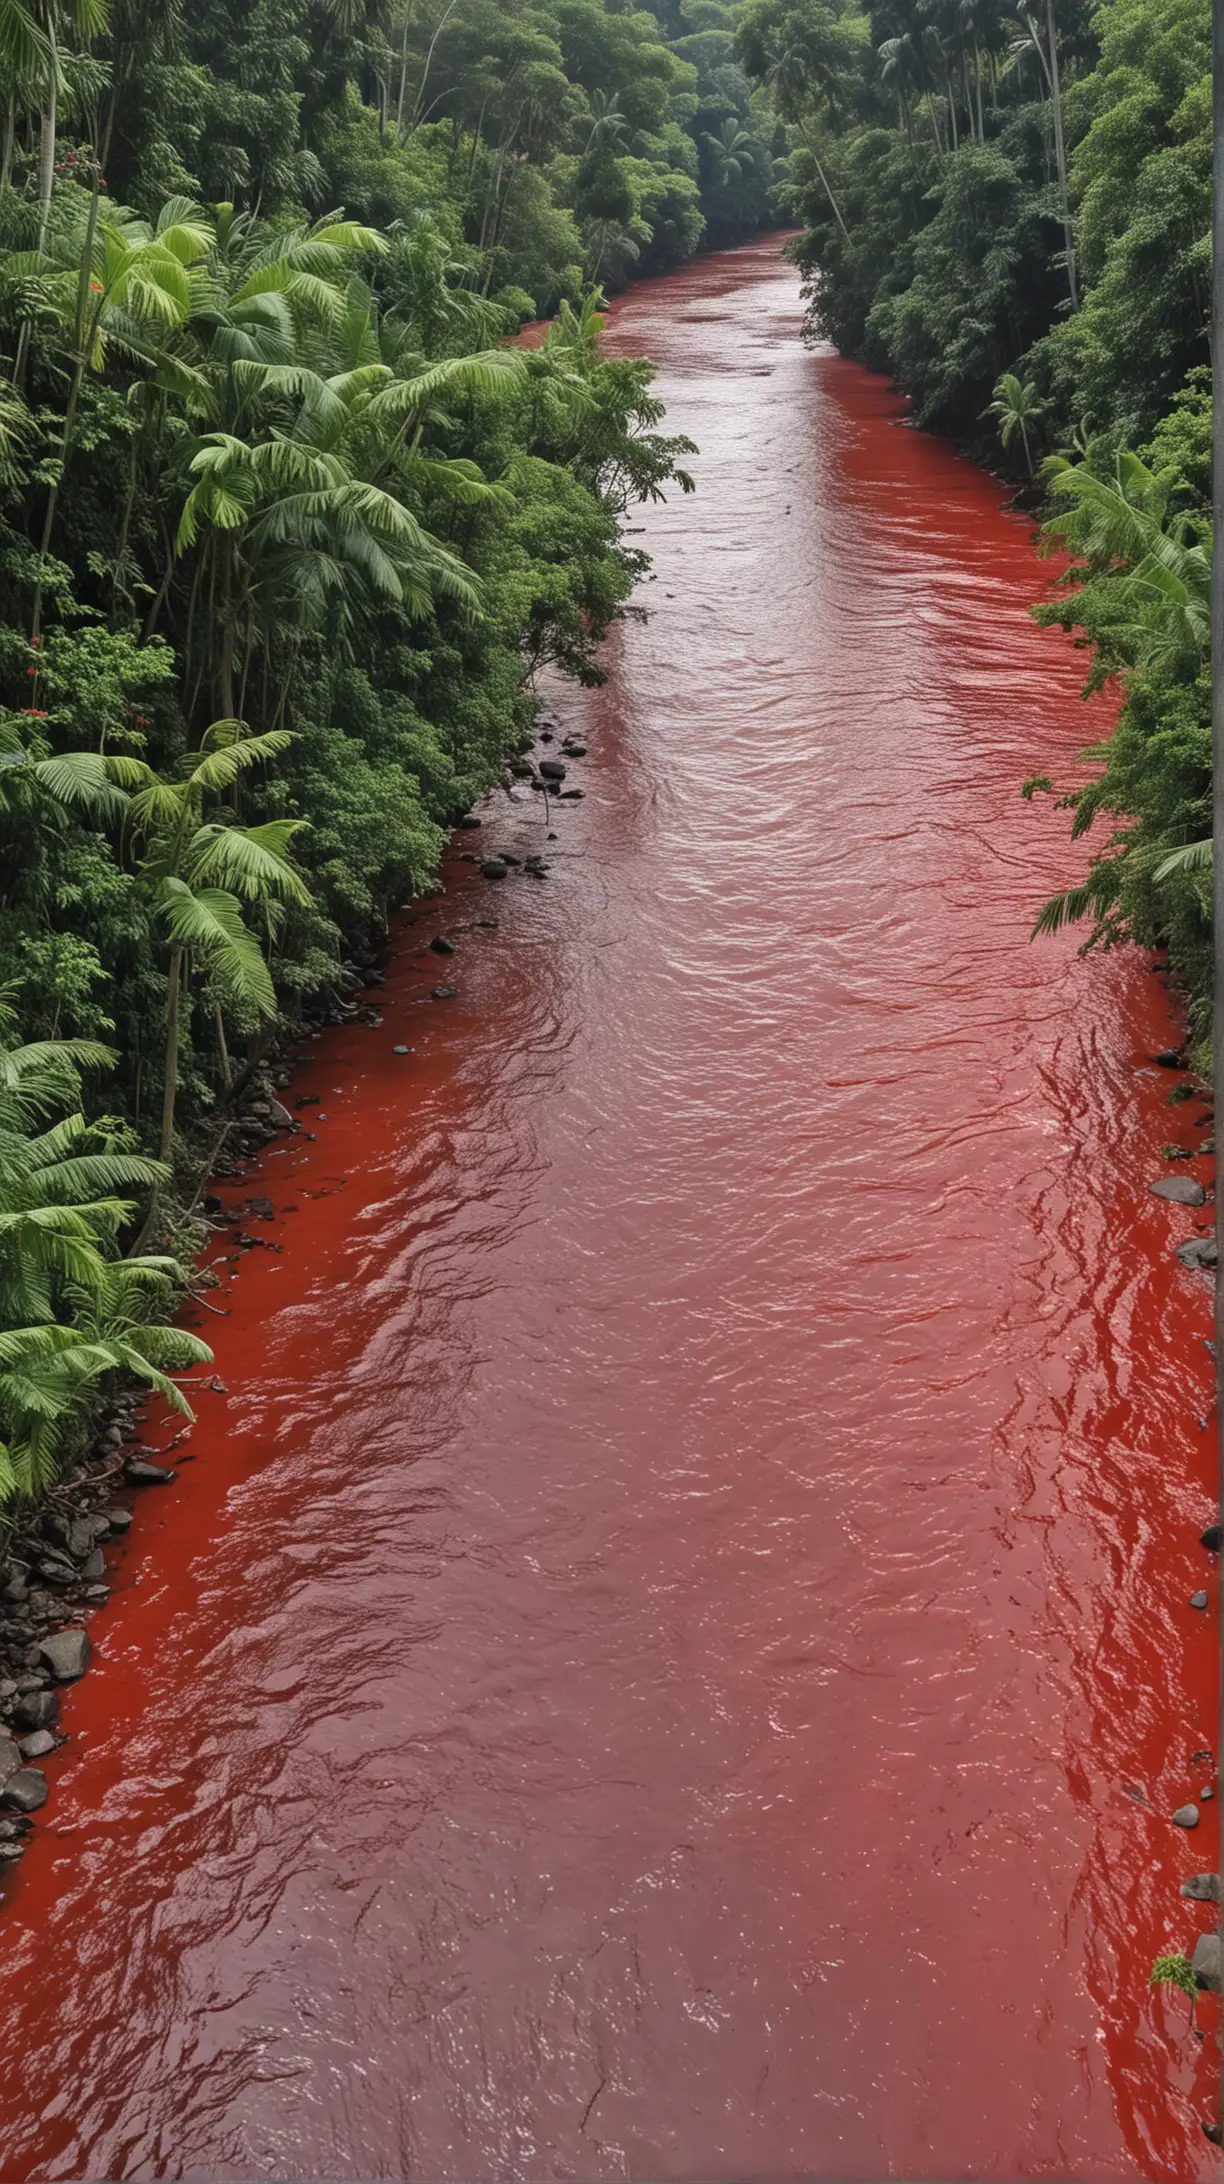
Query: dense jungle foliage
{"x": 286, "y": 532}
{"x": 1006, "y": 205}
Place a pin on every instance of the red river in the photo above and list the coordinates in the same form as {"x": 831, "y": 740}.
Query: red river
{"x": 671, "y": 1658}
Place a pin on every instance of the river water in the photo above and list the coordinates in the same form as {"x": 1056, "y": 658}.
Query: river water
{"x": 671, "y": 1657}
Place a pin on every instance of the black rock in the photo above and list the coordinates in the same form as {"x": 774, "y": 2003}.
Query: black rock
{"x": 24, "y": 1791}
{"x": 573, "y": 796}
{"x": 118, "y": 1520}
{"x": 37, "y": 1710}
{"x": 212, "y": 1204}
{"x": 441, "y": 945}
{"x": 53, "y": 1571}
{"x": 494, "y": 868}
{"x": 552, "y": 769}
{"x": 66, "y": 1653}
{"x": 260, "y": 1209}
{"x": 1170, "y": 1058}
{"x": 139, "y": 1473}
{"x": 468, "y": 822}
{"x": 574, "y": 750}
{"x": 1180, "y": 1190}
{"x": 1206, "y": 1963}
{"x": 1211, "y": 1538}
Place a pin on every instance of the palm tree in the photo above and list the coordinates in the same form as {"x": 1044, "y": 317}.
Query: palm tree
{"x": 609, "y": 124}
{"x": 734, "y": 148}
{"x": 1014, "y": 408}
{"x": 70, "y": 1313}
{"x": 131, "y": 277}
{"x": 1046, "y": 49}
{"x": 199, "y": 873}
{"x": 795, "y": 76}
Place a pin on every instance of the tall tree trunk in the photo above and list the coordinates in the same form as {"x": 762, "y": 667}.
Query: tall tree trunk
{"x": 84, "y": 336}
{"x": 825, "y": 183}
{"x": 1060, "y": 154}
{"x": 46, "y": 147}
{"x": 10, "y": 133}
{"x": 403, "y": 82}
{"x": 225, "y": 664}
{"x": 170, "y": 1085}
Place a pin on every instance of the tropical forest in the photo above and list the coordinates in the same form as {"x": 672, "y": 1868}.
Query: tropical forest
{"x": 607, "y": 1227}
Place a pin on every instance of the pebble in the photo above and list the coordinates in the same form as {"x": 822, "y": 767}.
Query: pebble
{"x": 441, "y": 945}
{"x": 1198, "y": 1599}
{"x": 1186, "y": 1816}
{"x": 444, "y": 993}
{"x": 401, "y": 1050}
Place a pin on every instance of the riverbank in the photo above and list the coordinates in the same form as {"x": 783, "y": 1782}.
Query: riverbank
{"x": 715, "y": 1457}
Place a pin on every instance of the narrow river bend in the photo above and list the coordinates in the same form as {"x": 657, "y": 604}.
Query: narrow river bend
{"x": 671, "y": 1658}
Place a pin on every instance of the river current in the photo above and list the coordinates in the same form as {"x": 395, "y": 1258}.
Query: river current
{"x": 670, "y": 1657}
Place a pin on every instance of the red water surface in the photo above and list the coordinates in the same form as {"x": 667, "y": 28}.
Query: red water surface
{"x": 672, "y": 1657}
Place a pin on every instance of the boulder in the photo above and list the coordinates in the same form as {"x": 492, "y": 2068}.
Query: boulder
{"x": 1205, "y": 1963}
{"x": 1180, "y": 1190}
{"x": 24, "y": 1791}
{"x": 1198, "y": 1600}
{"x": 66, "y": 1654}
{"x": 494, "y": 868}
{"x": 139, "y": 1473}
{"x": 1170, "y": 1058}
{"x": 38, "y": 1746}
{"x": 10, "y": 1758}
{"x": 441, "y": 945}
{"x": 552, "y": 769}
{"x": 37, "y": 1710}
{"x": 118, "y": 1520}
{"x": 1211, "y": 1538}
{"x": 1186, "y": 1816}
{"x": 1199, "y": 1252}
{"x": 1202, "y": 1888}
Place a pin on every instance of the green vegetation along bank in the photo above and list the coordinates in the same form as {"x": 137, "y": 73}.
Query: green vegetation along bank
{"x": 1007, "y": 208}
{"x": 287, "y": 532}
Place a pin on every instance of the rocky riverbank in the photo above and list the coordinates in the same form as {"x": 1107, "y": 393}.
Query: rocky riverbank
{"x": 53, "y": 1565}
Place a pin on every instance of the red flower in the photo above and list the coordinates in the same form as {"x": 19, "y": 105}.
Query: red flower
{"x": 31, "y": 671}
{"x": 31, "y": 712}
{"x": 36, "y": 640}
